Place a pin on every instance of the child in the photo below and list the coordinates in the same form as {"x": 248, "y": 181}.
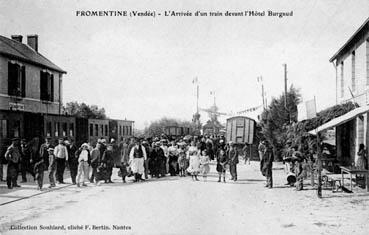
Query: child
{"x": 182, "y": 161}
{"x": 39, "y": 169}
{"x": 204, "y": 162}
{"x": 52, "y": 167}
{"x": 221, "y": 164}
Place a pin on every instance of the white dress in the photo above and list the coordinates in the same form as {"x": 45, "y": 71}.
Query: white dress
{"x": 194, "y": 166}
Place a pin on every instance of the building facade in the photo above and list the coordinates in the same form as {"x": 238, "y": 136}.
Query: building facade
{"x": 30, "y": 86}
{"x": 351, "y": 62}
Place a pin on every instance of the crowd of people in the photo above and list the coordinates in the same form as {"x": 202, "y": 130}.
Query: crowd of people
{"x": 140, "y": 158}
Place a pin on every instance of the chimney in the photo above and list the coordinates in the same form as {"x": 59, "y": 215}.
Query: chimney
{"x": 17, "y": 38}
{"x": 32, "y": 41}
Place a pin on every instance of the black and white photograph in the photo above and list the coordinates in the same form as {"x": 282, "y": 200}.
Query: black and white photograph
{"x": 184, "y": 117}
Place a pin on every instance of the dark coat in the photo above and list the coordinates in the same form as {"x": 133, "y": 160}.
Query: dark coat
{"x": 108, "y": 158}
{"x": 233, "y": 156}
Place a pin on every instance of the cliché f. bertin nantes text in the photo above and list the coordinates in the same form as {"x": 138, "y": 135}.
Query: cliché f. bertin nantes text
{"x": 118, "y": 13}
{"x": 69, "y": 227}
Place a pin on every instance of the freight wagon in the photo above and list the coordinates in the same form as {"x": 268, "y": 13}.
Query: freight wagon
{"x": 240, "y": 130}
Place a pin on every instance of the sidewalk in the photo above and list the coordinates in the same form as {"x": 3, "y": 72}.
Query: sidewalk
{"x": 29, "y": 189}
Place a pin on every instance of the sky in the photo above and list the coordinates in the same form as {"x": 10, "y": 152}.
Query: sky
{"x": 142, "y": 68}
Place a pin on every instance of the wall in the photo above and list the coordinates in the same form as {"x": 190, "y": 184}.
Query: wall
{"x": 361, "y": 72}
{"x": 32, "y": 101}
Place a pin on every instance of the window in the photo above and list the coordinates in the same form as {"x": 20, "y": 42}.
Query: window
{"x": 102, "y": 129}
{"x": 130, "y": 130}
{"x": 106, "y": 130}
{"x": 120, "y": 130}
{"x": 353, "y": 84}
{"x": 64, "y": 129}
{"x": 17, "y": 127}
{"x": 16, "y": 80}
{"x": 96, "y": 130}
{"x": 91, "y": 129}
{"x": 56, "y": 130}
{"x": 47, "y": 86}
{"x": 48, "y": 129}
{"x": 124, "y": 130}
{"x": 4, "y": 128}
{"x": 342, "y": 81}
{"x": 71, "y": 129}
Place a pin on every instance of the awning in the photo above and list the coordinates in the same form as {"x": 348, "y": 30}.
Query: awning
{"x": 341, "y": 119}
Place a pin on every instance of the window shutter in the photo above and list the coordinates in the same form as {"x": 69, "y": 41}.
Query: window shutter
{"x": 42, "y": 86}
{"x": 12, "y": 76}
{"x": 52, "y": 87}
{"x": 23, "y": 82}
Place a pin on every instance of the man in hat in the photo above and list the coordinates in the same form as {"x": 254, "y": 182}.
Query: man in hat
{"x": 61, "y": 156}
{"x": 137, "y": 157}
{"x": 261, "y": 150}
{"x": 84, "y": 159}
{"x": 72, "y": 159}
{"x": 13, "y": 156}
{"x": 157, "y": 160}
{"x": 268, "y": 165}
{"x": 148, "y": 150}
{"x": 95, "y": 161}
{"x": 233, "y": 160}
{"x": 43, "y": 150}
{"x": 51, "y": 167}
{"x": 108, "y": 161}
{"x": 25, "y": 161}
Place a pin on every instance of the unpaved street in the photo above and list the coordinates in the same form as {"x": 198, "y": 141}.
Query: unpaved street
{"x": 174, "y": 205}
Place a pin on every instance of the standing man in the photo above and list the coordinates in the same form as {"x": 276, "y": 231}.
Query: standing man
{"x": 268, "y": 165}
{"x": 95, "y": 161}
{"x": 124, "y": 159}
{"x": 137, "y": 157}
{"x": 261, "y": 150}
{"x": 61, "y": 155}
{"x": 44, "y": 150}
{"x": 13, "y": 156}
{"x": 25, "y": 160}
{"x": 72, "y": 159}
{"x": 157, "y": 160}
{"x": 108, "y": 160}
{"x": 146, "y": 145}
{"x": 233, "y": 160}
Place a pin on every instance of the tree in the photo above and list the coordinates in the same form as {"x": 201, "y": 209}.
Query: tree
{"x": 298, "y": 133}
{"x": 84, "y": 110}
{"x": 277, "y": 117}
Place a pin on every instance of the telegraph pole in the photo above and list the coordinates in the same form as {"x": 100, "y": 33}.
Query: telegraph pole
{"x": 285, "y": 85}
{"x": 260, "y": 79}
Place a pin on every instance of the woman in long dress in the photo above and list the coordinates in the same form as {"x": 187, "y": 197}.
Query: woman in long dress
{"x": 193, "y": 155}
{"x": 204, "y": 163}
{"x": 361, "y": 160}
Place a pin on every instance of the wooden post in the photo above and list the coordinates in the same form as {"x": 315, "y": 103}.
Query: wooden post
{"x": 319, "y": 165}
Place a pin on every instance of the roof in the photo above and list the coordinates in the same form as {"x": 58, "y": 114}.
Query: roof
{"x": 17, "y": 50}
{"x": 234, "y": 117}
{"x": 353, "y": 39}
{"x": 341, "y": 119}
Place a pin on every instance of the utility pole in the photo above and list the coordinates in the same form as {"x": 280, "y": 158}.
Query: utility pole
{"x": 260, "y": 80}
{"x": 285, "y": 85}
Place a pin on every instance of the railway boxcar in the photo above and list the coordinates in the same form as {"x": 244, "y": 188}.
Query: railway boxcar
{"x": 240, "y": 130}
